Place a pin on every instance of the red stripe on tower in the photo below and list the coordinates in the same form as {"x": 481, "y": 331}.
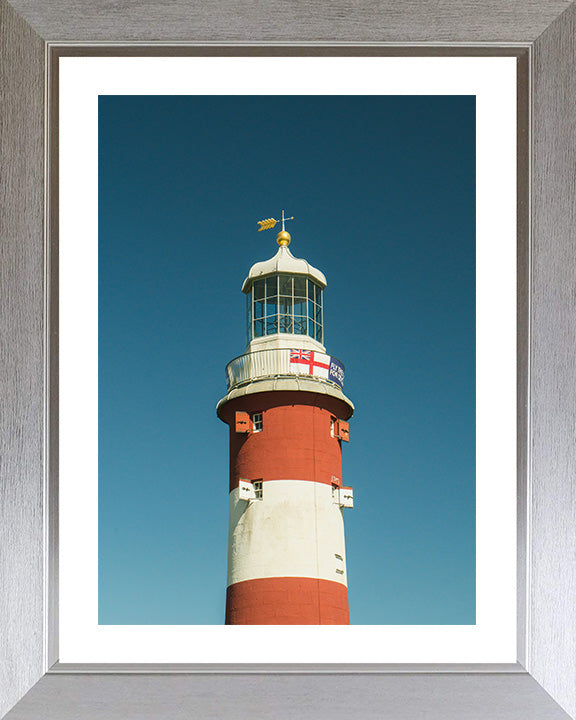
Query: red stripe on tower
{"x": 287, "y": 601}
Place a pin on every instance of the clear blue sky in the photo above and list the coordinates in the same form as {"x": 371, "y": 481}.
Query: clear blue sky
{"x": 383, "y": 192}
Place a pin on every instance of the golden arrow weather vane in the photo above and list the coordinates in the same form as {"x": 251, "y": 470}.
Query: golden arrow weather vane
{"x": 270, "y": 222}
{"x": 266, "y": 224}
{"x": 283, "y": 237}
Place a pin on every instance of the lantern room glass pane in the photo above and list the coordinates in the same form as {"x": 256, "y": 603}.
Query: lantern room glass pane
{"x": 249, "y": 317}
{"x": 285, "y": 305}
{"x": 259, "y": 287}
{"x": 258, "y": 309}
{"x": 285, "y": 323}
{"x": 258, "y": 328}
{"x": 249, "y": 325}
{"x": 272, "y": 285}
{"x": 314, "y": 292}
{"x": 285, "y": 285}
{"x": 299, "y": 306}
{"x": 300, "y": 326}
{"x": 271, "y": 306}
{"x": 272, "y": 325}
{"x": 300, "y": 286}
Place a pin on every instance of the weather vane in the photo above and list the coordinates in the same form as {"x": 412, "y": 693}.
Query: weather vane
{"x": 283, "y": 238}
{"x": 270, "y": 222}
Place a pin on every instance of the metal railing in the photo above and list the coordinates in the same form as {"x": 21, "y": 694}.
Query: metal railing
{"x": 276, "y": 363}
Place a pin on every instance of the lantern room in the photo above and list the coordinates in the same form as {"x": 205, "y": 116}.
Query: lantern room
{"x": 284, "y": 302}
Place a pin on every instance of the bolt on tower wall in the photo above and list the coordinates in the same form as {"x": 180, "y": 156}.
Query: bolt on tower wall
{"x": 287, "y": 416}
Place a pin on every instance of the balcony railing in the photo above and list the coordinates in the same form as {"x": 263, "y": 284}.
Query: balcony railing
{"x": 282, "y": 362}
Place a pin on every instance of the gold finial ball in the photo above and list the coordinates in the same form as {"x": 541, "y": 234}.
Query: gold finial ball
{"x": 283, "y": 238}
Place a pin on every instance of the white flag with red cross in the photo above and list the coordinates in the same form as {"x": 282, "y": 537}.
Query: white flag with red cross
{"x": 310, "y": 362}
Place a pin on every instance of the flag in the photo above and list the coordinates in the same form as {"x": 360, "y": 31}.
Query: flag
{"x": 310, "y": 362}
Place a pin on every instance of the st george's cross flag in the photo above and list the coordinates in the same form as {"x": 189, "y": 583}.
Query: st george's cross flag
{"x": 314, "y": 363}
{"x": 310, "y": 362}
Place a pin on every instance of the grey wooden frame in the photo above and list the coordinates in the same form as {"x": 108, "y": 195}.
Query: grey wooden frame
{"x": 542, "y": 33}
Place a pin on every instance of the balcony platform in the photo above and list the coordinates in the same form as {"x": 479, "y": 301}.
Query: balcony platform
{"x": 271, "y": 370}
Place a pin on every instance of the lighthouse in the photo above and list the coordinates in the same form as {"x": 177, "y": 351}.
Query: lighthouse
{"x": 288, "y": 419}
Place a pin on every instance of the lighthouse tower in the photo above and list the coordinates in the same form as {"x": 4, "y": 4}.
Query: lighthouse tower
{"x": 287, "y": 416}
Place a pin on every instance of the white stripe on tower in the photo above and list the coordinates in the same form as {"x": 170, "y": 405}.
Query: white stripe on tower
{"x": 296, "y": 530}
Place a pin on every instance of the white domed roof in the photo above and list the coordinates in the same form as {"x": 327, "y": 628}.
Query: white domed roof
{"x": 283, "y": 262}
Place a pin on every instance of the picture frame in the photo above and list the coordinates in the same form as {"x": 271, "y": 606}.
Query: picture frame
{"x": 543, "y": 682}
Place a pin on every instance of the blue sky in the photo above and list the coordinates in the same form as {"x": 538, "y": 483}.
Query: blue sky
{"x": 383, "y": 194}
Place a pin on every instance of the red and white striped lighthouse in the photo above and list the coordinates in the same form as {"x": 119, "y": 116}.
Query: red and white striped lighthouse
{"x": 287, "y": 416}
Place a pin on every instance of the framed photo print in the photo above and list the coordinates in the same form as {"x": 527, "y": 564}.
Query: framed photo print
{"x": 290, "y": 371}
